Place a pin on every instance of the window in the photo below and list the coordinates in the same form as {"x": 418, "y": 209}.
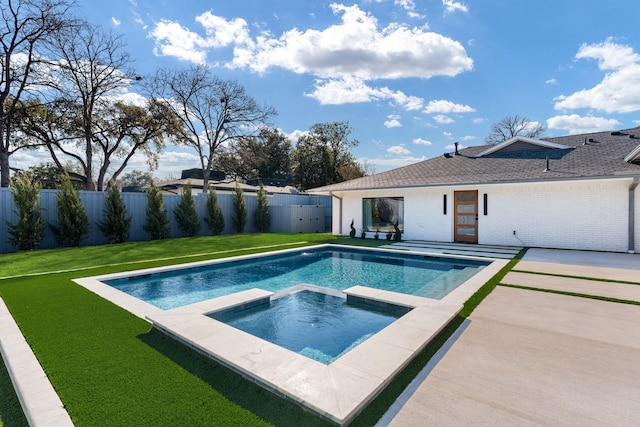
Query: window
{"x": 381, "y": 213}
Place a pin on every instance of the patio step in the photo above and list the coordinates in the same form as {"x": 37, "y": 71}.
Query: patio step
{"x": 485, "y": 251}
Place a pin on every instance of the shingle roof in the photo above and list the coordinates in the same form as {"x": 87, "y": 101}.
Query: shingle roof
{"x": 602, "y": 156}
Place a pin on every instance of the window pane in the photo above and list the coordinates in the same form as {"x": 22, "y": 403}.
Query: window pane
{"x": 466, "y": 231}
{"x": 382, "y": 213}
{"x": 466, "y": 197}
{"x": 466, "y": 208}
{"x": 466, "y": 219}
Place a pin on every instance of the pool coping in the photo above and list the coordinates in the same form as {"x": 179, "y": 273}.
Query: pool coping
{"x": 338, "y": 391}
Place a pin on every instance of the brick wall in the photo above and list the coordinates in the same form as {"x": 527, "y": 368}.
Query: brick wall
{"x": 589, "y": 215}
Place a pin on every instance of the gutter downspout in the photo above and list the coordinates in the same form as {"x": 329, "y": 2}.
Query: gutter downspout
{"x": 632, "y": 214}
{"x": 339, "y": 212}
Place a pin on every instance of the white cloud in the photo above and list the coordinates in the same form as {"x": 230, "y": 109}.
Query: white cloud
{"x": 115, "y": 21}
{"x": 140, "y": 22}
{"x": 478, "y": 120}
{"x": 393, "y": 122}
{"x": 173, "y": 162}
{"x": 357, "y": 47}
{"x": 552, "y": 82}
{"x": 354, "y": 90}
{"x": 446, "y": 107}
{"x": 619, "y": 90}
{"x": 576, "y": 124}
{"x": 421, "y": 141}
{"x": 398, "y": 150}
{"x": 409, "y": 6}
{"x": 354, "y": 48}
{"x": 468, "y": 137}
{"x": 221, "y": 32}
{"x": 610, "y": 55}
{"x": 453, "y": 6}
{"x": 442, "y": 119}
{"x": 172, "y": 39}
{"x": 295, "y": 135}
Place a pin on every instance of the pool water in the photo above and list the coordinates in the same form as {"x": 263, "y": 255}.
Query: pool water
{"x": 331, "y": 267}
{"x": 317, "y": 325}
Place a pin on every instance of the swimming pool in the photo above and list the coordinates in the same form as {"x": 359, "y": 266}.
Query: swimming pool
{"x": 328, "y": 266}
{"x": 341, "y": 389}
{"x": 315, "y": 324}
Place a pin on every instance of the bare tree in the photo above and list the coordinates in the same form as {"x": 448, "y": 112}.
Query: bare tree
{"x": 26, "y": 28}
{"x": 93, "y": 68}
{"x": 212, "y": 111}
{"x": 512, "y": 126}
{"x": 118, "y": 132}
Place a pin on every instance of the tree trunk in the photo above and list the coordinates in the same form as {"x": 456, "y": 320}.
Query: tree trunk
{"x": 4, "y": 167}
{"x": 4, "y": 155}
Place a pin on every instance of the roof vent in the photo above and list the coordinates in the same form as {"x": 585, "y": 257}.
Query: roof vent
{"x": 456, "y": 145}
{"x": 632, "y": 136}
{"x": 590, "y": 139}
{"x": 615, "y": 133}
{"x": 447, "y": 155}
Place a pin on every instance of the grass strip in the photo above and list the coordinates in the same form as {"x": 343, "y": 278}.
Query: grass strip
{"x": 572, "y": 294}
{"x": 594, "y": 279}
{"x": 11, "y": 414}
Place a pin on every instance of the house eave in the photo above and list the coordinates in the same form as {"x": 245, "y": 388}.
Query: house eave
{"x": 616, "y": 176}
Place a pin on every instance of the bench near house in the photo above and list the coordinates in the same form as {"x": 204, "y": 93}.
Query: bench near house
{"x": 569, "y": 192}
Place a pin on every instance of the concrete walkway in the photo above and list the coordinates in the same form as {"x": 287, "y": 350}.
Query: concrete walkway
{"x": 531, "y": 358}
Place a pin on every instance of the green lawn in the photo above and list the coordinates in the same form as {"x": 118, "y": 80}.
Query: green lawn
{"x": 111, "y": 368}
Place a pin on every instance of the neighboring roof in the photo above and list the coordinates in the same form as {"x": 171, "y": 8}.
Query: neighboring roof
{"x": 175, "y": 186}
{"x": 593, "y": 155}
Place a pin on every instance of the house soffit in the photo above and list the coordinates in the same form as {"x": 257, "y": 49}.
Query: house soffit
{"x": 535, "y": 143}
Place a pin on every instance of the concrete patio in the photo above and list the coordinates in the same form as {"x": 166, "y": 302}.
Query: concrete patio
{"x": 527, "y": 357}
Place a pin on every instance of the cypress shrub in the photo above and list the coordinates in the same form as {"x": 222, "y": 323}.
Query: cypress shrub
{"x": 214, "y": 216}
{"x": 239, "y": 209}
{"x": 157, "y": 221}
{"x": 261, "y": 214}
{"x": 73, "y": 222}
{"x": 186, "y": 213}
{"x": 115, "y": 225}
{"x": 28, "y": 232}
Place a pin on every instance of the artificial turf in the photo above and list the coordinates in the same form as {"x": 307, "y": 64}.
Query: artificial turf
{"x": 111, "y": 368}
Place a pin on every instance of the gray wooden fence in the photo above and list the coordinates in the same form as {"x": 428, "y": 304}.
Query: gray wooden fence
{"x": 289, "y": 213}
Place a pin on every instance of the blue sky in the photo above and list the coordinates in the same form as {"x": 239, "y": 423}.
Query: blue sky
{"x": 411, "y": 77}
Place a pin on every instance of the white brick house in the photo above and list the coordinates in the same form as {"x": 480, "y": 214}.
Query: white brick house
{"x": 571, "y": 192}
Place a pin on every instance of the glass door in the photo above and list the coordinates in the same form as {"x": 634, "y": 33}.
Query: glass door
{"x": 466, "y": 216}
